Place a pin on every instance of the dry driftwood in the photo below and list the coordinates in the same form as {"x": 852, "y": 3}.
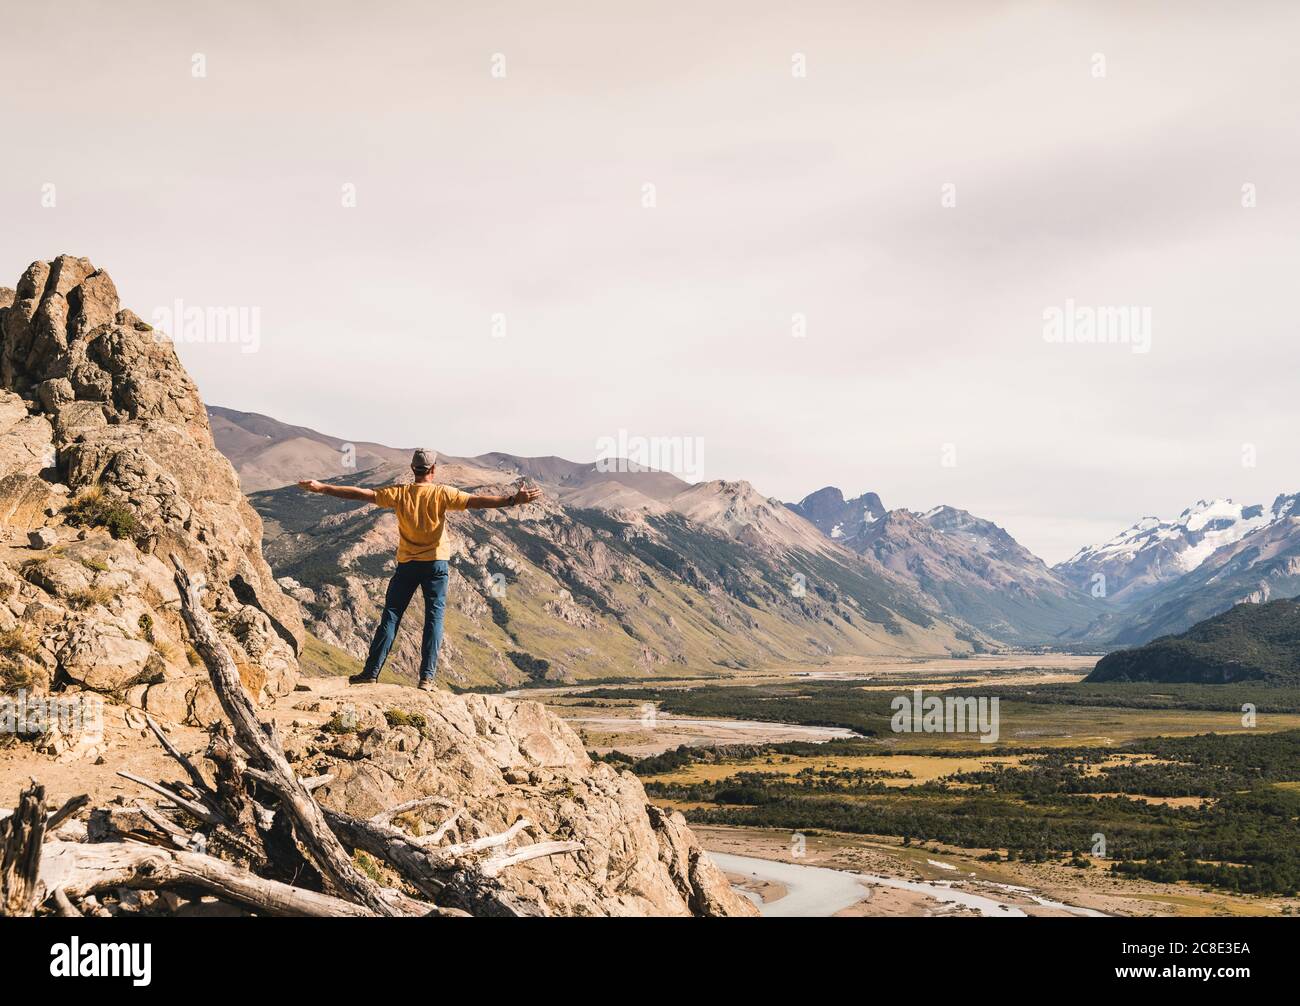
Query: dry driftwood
{"x": 78, "y": 869}
{"x": 428, "y": 868}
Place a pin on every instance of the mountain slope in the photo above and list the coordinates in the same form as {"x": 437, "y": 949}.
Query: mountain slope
{"x": 268, "y": 453}
{"x": 1249, "y": 642}
{"x": 737, "y": 510}
{"x": 966, "y": 568}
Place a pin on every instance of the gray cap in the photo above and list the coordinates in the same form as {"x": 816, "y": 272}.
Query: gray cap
{"x": 423, "y": 459}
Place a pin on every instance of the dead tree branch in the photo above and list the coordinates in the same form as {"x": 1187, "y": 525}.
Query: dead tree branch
{"x": 21, "y": 836}
{"x": 320, "y": 843}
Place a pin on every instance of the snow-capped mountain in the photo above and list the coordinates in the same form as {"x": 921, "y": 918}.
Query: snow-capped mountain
{"x": 1154, "y": 552}
{"x": 1262, "y": 565}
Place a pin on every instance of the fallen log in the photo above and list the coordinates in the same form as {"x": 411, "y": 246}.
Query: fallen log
{"x": 446, "y": 873}
{"x": 79, "y": 869}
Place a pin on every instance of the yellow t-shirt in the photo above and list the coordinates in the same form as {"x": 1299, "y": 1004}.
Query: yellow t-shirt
{"x": 421, "y": 518}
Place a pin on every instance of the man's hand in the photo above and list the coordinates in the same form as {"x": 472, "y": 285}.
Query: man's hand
{"x": 527, "y": 494}
{"x": 312, "y": 486}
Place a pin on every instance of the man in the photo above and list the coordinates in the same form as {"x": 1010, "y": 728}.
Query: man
{"x": 422, "y": 554}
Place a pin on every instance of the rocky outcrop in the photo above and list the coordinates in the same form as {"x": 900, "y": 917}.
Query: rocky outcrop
{"x": 500, "y": 760}
{"x": 107, "y": 468}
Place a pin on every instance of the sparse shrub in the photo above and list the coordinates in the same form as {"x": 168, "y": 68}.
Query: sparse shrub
{"x": 13, "y": 675}
{"x": 20, "y": 640}
{"x": 89, "y": 597}
{"x": 534, "y": 667}
{"x": 499, "y": 613}
{"x": 367, "y": 865}
{"x": 338, "y": 724}
{"x": 95, "y": 508}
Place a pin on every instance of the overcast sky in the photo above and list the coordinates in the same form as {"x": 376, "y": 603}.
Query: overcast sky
{"x": 1098, "y": 154}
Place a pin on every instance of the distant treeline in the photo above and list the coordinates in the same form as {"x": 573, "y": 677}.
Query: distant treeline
{"x": 850, "y": 706}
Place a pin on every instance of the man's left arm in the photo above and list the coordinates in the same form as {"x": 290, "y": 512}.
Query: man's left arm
{"x": 526, "y": 495}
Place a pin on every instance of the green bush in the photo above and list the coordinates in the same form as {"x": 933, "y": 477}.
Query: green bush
{"x": 401, "y": 718}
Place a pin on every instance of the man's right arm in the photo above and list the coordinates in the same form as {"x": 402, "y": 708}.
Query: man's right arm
{"x": 342, "y": 492}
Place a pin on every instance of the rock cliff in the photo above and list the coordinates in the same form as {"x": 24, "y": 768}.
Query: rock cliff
{"x": 107, "y": 468}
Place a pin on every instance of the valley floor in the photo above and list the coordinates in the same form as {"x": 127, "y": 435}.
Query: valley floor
{"x": 837, "y": 873}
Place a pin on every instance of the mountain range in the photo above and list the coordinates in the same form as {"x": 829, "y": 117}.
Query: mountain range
{"x": 1153, "y": 552}
{"x": 962, "y": 565}
{"x": 613, "y": 574}
{"x": 641, "y": 569}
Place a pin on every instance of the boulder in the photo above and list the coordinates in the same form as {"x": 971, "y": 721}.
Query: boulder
{"x": 501, "y": 760}
{"x": 107, "y": 663}
{"x": 42, "y": 537}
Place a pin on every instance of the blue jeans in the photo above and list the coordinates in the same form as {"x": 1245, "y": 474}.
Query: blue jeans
{"x": 431, "y": 577}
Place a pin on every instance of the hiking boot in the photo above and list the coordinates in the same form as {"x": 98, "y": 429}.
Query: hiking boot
{"x": 427, "y": 685}
{"x": 362, "y": 679}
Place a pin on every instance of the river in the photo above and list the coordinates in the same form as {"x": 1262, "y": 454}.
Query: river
{"x": 819, "y": 891}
